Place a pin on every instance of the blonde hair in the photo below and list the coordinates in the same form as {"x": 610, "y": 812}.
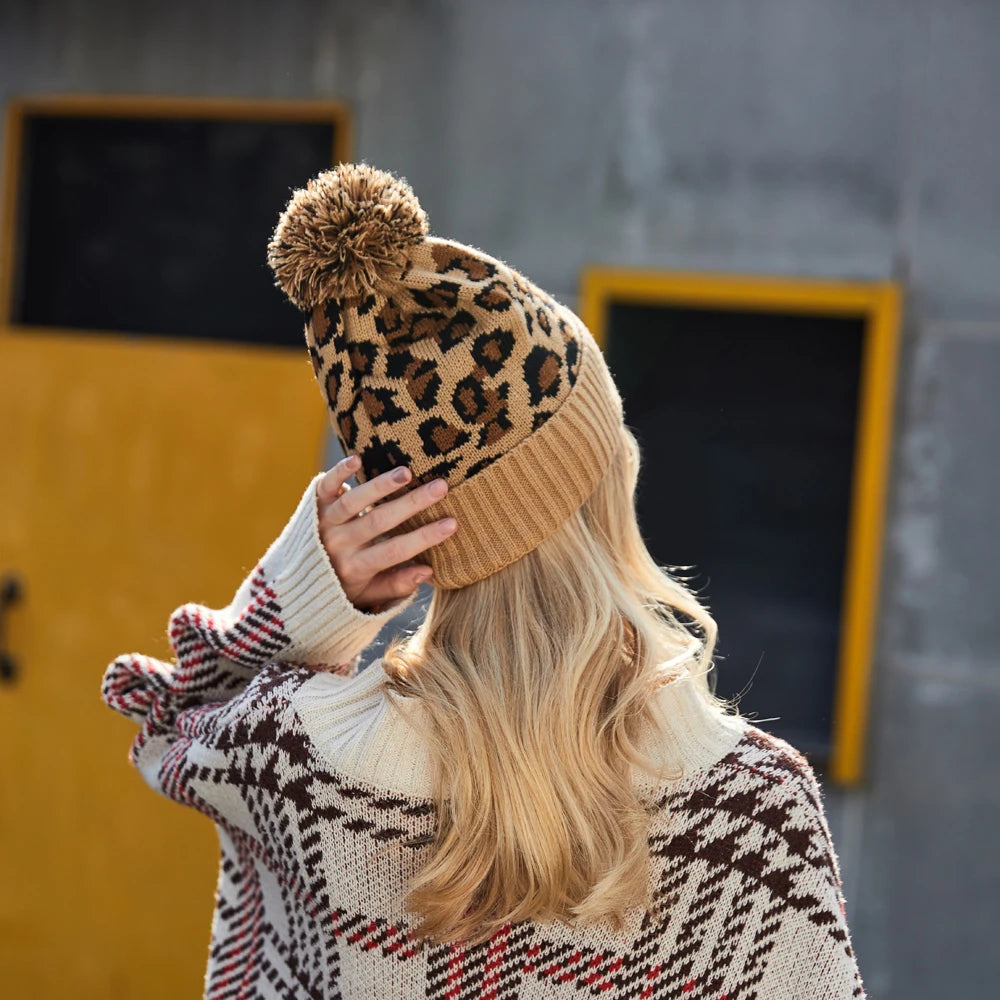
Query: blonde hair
{"x": 536, "y": 683}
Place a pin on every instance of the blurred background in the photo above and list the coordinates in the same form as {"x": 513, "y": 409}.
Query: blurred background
{"x": 780, "y": 219}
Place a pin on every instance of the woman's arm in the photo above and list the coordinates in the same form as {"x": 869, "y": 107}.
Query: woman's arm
{"x": 825, "y": 966}
{"x": 293, "y": 609}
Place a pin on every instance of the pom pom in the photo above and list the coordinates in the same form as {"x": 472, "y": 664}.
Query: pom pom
{"x": 346, "y": 231}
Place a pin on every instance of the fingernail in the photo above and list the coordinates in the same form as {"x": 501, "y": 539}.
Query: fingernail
{"x": 449, "y": 524}
{"x": 437, "y": 488}
{"x": 352, "y": 461}
{"x": 424, "y": 575}
{"x": 401, "y": 475}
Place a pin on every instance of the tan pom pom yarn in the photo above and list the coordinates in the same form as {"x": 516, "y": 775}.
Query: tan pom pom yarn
{"x": 434, "y": 355}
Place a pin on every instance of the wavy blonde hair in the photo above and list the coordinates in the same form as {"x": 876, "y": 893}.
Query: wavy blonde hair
{"x": 536, "y": 684}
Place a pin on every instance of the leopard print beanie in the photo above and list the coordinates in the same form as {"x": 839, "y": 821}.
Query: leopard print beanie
{"x": 434, "y": 355}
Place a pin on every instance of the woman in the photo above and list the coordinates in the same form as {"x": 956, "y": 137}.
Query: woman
{"x": 535, "y": 794}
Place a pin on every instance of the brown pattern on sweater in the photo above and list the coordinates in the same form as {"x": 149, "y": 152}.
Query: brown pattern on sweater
{"x": 736, "y": 834}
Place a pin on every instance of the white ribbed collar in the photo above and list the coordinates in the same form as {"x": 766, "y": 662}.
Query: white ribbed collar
{"x": 354, "y": 726}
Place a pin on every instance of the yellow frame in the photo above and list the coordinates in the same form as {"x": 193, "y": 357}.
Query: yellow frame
{"x": 879, "y": 304}
{"x": 335, "y": 113}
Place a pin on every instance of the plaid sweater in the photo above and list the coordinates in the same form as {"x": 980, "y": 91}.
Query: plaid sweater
{"x": 322, "y": 798}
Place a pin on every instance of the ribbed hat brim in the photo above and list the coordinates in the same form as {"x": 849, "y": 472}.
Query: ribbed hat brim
{"x": 527, "y": 493}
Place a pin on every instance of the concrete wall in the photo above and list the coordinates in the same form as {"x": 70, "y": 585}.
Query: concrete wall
{"x": 818, "y": 137}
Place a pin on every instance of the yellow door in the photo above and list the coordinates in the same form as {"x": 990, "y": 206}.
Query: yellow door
{"x": 135, "y": 475}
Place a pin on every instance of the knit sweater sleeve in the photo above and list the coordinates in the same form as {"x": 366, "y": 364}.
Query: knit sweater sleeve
{"x": 290, "y": 611}
{"x": 823, "y": 963}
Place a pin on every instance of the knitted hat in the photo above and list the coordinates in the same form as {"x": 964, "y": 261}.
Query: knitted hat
{"x": 436, "y": 356}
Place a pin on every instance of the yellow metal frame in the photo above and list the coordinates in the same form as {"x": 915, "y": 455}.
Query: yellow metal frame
{"x": 333, "y": 113}
{"x": 879, "y": 304}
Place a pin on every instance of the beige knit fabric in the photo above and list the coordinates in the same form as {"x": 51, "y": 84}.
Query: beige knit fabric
{"x": 434, "y": 355}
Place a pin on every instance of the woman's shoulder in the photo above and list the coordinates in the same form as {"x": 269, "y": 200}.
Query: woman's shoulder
{"x": 761, "y": 778}
{"x": 699, "y": 735}
{"x": 357, "y": 731}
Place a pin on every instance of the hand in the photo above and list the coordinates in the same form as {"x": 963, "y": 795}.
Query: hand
{"x": 372, "y": 570}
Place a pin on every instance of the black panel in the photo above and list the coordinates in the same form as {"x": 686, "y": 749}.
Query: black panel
{"x": 159, "y": 225}
{"x": 747, "y": 422}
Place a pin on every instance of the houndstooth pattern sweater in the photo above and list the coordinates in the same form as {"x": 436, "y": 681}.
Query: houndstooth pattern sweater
{"x": 322, "y": 798}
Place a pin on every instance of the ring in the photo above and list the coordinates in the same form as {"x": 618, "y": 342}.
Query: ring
{"x": 342, "y": 489}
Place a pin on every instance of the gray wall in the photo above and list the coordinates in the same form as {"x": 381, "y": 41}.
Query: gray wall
{"x": 819, "y": 137}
